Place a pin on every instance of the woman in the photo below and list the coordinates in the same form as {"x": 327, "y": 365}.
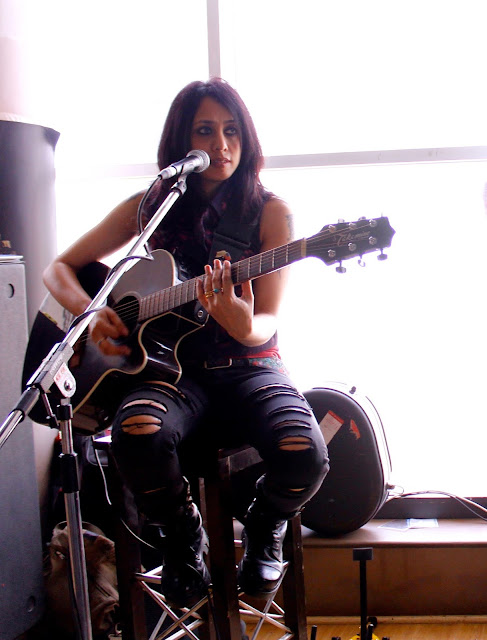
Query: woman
{"x": 234, "y": 388}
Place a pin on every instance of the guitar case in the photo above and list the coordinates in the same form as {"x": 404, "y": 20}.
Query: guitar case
{"x": 357, "y": 484}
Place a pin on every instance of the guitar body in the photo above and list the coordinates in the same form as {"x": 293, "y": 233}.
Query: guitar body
{"x": 100, "y": 379}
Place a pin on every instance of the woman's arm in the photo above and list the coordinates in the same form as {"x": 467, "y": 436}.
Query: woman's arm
{"x": 252, "y": 318}
{"x": 60, "y": 277}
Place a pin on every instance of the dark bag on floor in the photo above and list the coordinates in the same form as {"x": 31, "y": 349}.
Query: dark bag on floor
{"x": 357, "y": 484}
{"x": 102, "y": 580}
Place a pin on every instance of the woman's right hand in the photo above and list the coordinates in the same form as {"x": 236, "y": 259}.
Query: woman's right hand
{"x": 105, "y": 328}
{"x": 60, "y": 277}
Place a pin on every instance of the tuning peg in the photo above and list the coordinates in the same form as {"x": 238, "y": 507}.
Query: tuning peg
{"x": 340, "y": 268}
{"x": 382, "y": 256}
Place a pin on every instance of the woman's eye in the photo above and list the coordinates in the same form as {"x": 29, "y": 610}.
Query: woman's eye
{"x": 231, "y": 131}
{"x": 203, "y": 131}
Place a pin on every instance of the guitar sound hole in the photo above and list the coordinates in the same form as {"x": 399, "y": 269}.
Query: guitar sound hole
{"x": 128, "y": 310}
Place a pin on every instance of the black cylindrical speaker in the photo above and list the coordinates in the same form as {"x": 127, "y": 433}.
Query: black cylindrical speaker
{"x": 27, "y": 201}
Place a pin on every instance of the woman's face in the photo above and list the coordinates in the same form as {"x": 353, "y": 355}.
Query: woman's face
{"x": 216, "y": 132}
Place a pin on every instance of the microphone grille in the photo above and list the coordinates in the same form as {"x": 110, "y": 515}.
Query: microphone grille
{"x": 203, "y": 156}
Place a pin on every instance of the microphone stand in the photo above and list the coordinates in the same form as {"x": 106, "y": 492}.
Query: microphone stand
{"x": 54, "y": 370}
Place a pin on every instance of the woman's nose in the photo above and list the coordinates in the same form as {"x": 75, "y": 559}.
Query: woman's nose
{"x": 220, "y": 141}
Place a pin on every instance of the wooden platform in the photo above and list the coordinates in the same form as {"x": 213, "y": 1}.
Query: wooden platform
{"x": 381, "y": 534}
{"x": 421, "y": 571}
{"x": 435, "y": 571}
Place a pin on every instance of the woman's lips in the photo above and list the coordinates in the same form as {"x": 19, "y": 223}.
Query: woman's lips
{"x": 220, "y": 162}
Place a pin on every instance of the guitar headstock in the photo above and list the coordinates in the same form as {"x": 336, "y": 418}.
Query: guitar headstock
{"x": 344, "y": 240}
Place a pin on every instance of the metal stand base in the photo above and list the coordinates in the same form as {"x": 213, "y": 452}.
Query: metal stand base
{"x": 367, "y": 623}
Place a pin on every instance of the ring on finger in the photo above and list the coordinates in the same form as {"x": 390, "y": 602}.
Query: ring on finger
{"x": 208, "y": 294}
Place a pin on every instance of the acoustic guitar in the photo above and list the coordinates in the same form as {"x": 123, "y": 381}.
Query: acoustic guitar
{"x": 160, "y": 310}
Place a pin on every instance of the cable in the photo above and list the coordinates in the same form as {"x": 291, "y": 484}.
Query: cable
{"x": 108, "y": 499}
{"x": 148, "y": 255}
{"x": 82, "y": 316}
{"x": 470, "y": 505}
{"x": 143, "y": 201}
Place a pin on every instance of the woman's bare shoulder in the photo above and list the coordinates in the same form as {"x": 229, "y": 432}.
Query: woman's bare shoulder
{"x": 277, "y": 222}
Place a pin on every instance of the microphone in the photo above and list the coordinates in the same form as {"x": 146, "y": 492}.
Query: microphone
{"x": 196, "y": 161}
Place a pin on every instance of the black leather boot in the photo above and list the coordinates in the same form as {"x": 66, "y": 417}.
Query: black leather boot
{"x": 261, "y": 567}
{"x": 185, "y": 577}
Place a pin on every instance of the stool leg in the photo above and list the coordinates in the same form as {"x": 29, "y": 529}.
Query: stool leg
{"x": 219, "y": 522}
{"x": 127, "y": 553}
{"x": 293, "y": 587}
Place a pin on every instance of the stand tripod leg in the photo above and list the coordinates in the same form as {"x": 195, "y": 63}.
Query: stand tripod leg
{"x": 70, "y": 486}
{"x": 367, "y": 625}
{"x": 362, "y": 555}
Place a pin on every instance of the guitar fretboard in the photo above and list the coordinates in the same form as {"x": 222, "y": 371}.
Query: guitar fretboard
{"x": 334, "y": 243}
{"x": 163, "y": 301}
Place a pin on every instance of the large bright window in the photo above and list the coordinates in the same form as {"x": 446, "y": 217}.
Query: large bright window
{"x": 327, "y": 78}
{"x": 349, "y": 81}
{"x": 408, "y": 332}
{"x": 105, "y": 71}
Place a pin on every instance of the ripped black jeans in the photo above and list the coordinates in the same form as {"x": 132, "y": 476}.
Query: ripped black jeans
{"x": 158, "y": 424}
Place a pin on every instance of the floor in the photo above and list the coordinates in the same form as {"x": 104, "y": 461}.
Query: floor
{"x": 393, "y": 630}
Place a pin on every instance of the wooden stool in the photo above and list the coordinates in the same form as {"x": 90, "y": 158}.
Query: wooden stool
{"x": 226, "y": 606}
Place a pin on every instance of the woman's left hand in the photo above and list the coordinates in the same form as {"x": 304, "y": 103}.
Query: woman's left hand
{"x": 216, "y": 293}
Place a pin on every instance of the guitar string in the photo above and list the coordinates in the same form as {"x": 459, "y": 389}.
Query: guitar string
{"x": 180, "y": 291}
{"x": 177, "y": 295}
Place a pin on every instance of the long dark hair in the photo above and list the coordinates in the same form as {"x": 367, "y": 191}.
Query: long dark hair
{"x": 246, "y": 193}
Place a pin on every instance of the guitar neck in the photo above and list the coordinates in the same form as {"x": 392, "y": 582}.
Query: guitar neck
{"x": 163, "y": 301}
{"x": 269, "y": 261}
{"x": 333, "y": 244}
